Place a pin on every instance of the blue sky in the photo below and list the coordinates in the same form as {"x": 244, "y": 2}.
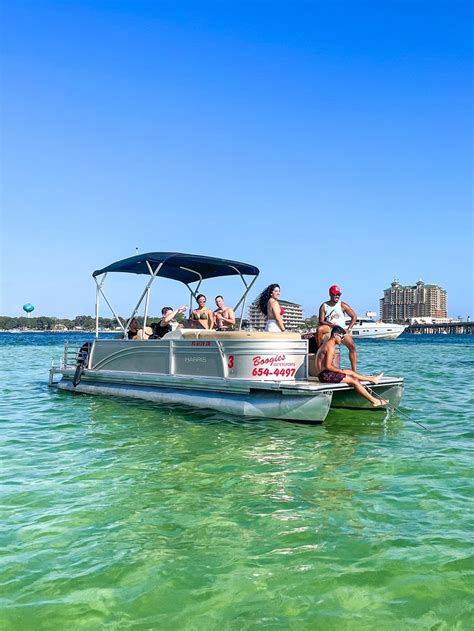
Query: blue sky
{"x": 324, "y": 142}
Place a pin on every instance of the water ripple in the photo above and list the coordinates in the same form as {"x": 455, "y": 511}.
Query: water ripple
{"x": 120, "y": 514}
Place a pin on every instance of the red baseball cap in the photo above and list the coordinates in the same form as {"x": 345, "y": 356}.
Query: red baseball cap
{"x": 334, "y": 289}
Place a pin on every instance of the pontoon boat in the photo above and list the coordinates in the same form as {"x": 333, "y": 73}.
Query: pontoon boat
{"x": 247, "y": 373}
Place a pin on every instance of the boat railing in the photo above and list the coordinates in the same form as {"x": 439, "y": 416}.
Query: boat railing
{"x": 70, "y": 355}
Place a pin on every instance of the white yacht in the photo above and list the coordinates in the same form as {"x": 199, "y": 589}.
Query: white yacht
{"x": 248, "y": 373}
{"x": 368, "y": 327}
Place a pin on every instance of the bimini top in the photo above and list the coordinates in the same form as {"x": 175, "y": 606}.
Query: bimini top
{"x": 187, "y": 268}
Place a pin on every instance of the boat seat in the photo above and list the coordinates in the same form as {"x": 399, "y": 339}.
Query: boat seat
{"x": 205, "y": 334}
{"x": 311, "y": 365}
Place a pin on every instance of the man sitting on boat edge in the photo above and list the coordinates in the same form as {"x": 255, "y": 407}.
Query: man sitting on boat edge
{"x": 329, "y": 373}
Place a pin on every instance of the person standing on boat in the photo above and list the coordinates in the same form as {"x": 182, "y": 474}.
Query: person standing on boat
{"x": 163, "y": 327}
{"x": 202, "y": 317}
{"x": 328, "y": 372}
{"x": 333, "y": 313}
{"x": 269, "y": 306}
{"x": 224, "y": 317}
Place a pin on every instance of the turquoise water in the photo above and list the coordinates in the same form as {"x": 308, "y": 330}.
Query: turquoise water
{"x": 119, "y": 514}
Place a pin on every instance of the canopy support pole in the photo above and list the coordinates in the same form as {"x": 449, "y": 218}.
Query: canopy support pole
{"x": 193, "y": 293}
{"x": 147, "y": 299}
{"x": 244, "y": 298}
{"x": 99, "y": 289}
{"x": 97, "y": 303}
{"x": 145, "y": 291}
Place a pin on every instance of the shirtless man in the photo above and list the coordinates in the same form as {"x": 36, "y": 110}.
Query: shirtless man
{"x": 224, "y": 316}
{"x": 329, "y": 373}
{"x": 332, "y": 313}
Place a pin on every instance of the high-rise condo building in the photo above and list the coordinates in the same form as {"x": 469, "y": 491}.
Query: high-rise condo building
{"x": 403, "y": 302}
{"x": 292, "y": 318}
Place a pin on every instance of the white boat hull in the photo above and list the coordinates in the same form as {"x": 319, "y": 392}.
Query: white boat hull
{"x": 377, "y": 331}
{"x": 258, "y": 404}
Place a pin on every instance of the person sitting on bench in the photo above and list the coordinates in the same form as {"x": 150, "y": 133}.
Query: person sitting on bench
{"x": 163, "y": 327}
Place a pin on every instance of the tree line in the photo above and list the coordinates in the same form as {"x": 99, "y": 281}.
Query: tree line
{"x": 87, "y": 323}
{"x": 47, "y": 323}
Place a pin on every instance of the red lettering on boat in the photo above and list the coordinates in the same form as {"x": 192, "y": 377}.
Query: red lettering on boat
{"x": 258, "y": 360}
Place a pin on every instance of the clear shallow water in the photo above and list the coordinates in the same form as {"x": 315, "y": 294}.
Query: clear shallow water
{"x": 121, "y": 515}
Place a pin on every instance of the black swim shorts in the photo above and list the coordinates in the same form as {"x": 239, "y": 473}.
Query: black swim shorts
{"x": 328, "y": 376}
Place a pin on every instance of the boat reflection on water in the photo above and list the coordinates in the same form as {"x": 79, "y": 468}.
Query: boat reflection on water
{"x": 355, "y": 423}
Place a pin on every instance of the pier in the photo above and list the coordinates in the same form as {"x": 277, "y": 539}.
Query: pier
{"x": 457, "y": 328}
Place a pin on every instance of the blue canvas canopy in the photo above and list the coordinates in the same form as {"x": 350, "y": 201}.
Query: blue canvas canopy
{"x": 187, "y": 268}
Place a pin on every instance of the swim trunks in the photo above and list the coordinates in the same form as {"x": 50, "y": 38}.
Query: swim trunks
{"x": 328, "y": 376}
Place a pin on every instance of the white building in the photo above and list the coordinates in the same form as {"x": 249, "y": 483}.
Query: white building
{"x": 292, "y": 317}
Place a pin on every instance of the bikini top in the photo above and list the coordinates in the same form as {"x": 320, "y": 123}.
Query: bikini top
{"x": 282, "y": 311}
{"x": 202, "y": 316}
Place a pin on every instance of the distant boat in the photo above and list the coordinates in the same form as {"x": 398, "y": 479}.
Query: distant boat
{"x": 368, "y": 328}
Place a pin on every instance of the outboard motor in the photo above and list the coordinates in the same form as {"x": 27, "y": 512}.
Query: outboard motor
{"x": 81, "y": 361}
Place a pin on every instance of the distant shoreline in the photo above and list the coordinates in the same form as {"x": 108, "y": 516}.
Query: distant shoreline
{"x": 56, "y": 331}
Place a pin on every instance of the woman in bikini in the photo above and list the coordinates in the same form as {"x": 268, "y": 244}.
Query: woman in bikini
{"x": 269, "y": 306}
{"x": 202, "y": 317}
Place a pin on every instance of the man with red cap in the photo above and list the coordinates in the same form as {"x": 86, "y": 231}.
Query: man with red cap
{"x": 333, "y": 313}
